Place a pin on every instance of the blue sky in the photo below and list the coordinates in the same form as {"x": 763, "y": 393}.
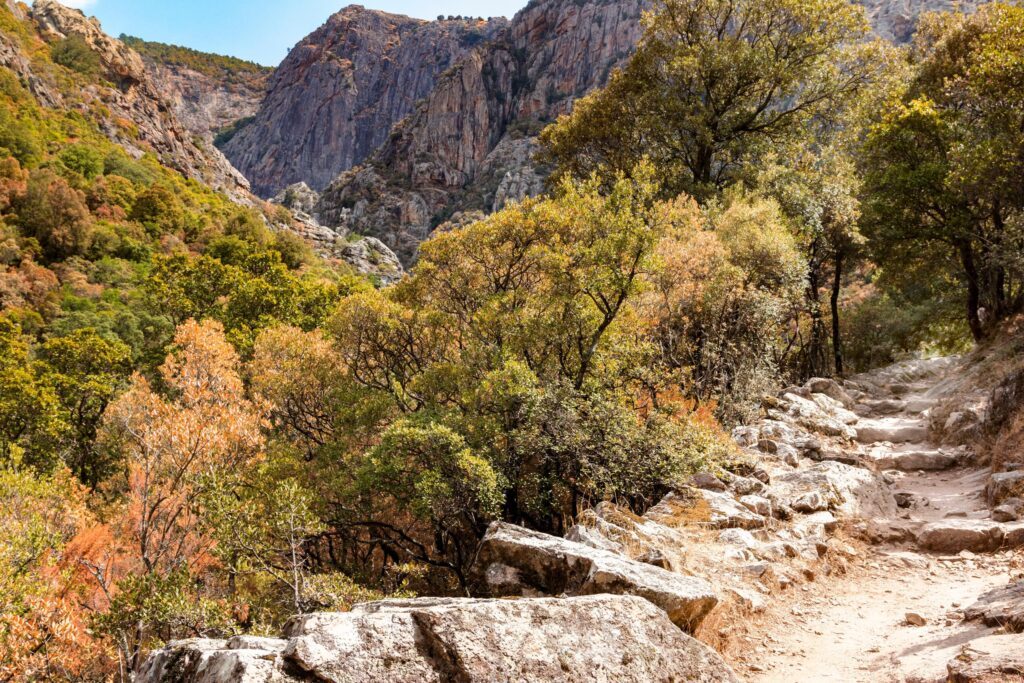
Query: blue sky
{"x": 260, "y": 30}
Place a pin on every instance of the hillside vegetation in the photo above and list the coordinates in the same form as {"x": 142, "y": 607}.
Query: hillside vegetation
{"x": 218, "y": 66}
{"x": 205, "y": 429}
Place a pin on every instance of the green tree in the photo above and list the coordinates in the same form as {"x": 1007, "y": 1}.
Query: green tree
{"x": 86, "y": 371}
{"x": 713, "y": 86}
{"x": 942, "y": 166}
{"x": 30, "y": 417}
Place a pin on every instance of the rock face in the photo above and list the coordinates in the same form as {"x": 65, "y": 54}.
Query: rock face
{"x": 337, "y": 95}
{"x": 137, "y": 99}
{"x": 594, "y": 638}
{"x": 896, "y": 20}
{"x": 207, "y": 103}
{"x": 466, "y": 146}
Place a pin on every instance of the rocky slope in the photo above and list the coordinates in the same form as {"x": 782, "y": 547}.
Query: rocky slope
{"x": 336, "y": 96}
{"x": 140, "y": 118}
{"x": 209, "y": 93}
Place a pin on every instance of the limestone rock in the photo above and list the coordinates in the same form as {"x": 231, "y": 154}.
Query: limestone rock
{"x": 555, "y": 566}
{"x": 910, "y": 461}
{"x": 892, "y": 430}
{"x": 990, "y": 659}
{"x": 601, "y": 637}
{"x": 1003, "y": 485}
{"x": 852, "y": 491}
{"x": 699, "y": 507}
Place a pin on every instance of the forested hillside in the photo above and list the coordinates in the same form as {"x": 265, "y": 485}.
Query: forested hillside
{"x": 206, "y": 428}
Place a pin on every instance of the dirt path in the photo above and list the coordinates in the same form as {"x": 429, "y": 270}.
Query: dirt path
{"x": 854, "y": 628}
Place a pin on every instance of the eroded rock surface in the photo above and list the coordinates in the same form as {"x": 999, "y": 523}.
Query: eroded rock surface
{"x": 593, "y": 638}
{"x": 555, "y": 566}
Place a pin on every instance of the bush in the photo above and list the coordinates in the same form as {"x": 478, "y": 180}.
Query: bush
{"x": 84, "y": 160}
{"x": 75, "y": 54}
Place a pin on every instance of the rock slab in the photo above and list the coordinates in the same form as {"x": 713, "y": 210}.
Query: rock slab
{"x": 528, "y": 562}
{"x": 601, "y": 638}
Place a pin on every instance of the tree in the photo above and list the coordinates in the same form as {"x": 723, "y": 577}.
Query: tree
{"x": 86, "y": 372}
{"x": 44, "y": 625}
{"x": 176, "y": 446}
{"x": 30, "y": 419}
{"x": 723, "y": 299}
{"x": 942, "y": 166}
{"x": 713, "y": 86}
{"x": 56, "y": 214}
{"x": 819, "y": 191}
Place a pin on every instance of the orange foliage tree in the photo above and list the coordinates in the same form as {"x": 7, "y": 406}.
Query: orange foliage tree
{"x": 198, "y": 432}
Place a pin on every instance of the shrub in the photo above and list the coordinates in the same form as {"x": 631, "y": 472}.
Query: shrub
{"x": 75, "y": 54}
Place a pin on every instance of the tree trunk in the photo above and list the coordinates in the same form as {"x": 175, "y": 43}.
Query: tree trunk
{"x": 837, "y": 285}
{"x": 973, "y": 291}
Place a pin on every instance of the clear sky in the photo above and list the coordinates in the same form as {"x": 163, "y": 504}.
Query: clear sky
{"x": 260, "y": 30}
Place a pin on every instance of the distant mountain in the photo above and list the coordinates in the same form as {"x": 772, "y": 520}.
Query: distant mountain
{"x": 337, "y": 95}
{"x": 404, "y": 124}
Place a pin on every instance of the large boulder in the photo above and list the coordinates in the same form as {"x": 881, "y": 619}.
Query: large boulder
{"x": 819, "y": 414}
{"x": 590, "y": 638}
{"x": 892, "y": 430}
{"x": 851, "y": 491}
{"x": 239, "y": 660}
{"x": 555, "y": 566}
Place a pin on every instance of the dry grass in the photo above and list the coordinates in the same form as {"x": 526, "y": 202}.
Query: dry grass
{"x": 1008, "y": 446}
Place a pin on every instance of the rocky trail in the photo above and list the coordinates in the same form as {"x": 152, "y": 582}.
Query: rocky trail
{"x": 858, "y": 539}
{"x": 899, "y": 612}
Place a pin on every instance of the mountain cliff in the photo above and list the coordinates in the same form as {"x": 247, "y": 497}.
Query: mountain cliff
{"x": 896, "y": 20}
{"x": 209, "y": 93}
{"x": 336, "y": 96}
{"x": 468, "y": 146}
{"x": 140, "y": 119}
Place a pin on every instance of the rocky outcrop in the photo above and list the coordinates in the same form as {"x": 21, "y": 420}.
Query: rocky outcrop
{"x": 140, "y": 118}
{"x": 458, "y": 149}
{"x": 1003, "y": 607}
{"x": 605, "y": 637}
{"x": 208, "y": 103}
{"x": 339, "y": 92}
{"x": 896, "y": 20}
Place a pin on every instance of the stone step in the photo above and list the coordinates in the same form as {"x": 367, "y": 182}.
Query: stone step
{"x": 892, "y": 431}
{"x": 912, "y": 461}
{"x": 978, "y": 536}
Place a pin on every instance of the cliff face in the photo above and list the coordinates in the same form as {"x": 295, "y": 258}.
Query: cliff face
{"x": 140, "y": 117}
{"x": 207, "y": 92}
{"x": 896, "y": 20}
{"x": 431, "y": 122}
{"x": 468, "y": 145}
{"x": 336, "y": 96}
